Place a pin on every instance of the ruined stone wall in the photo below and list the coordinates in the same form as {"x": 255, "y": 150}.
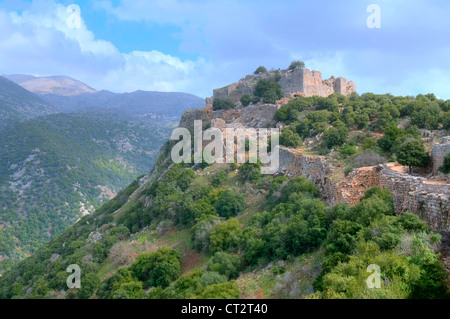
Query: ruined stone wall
{"x": 344, "y": 86}
{"x": 428, "y": 199}
{"x": 438, "y": 152}
{"x": 314, "y": 168}
{"x": 353, "y": 187}
{"x": 313, "y": 84}
{"x": 297, "y": 82}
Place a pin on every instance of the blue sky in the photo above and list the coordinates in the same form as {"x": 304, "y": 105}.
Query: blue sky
{"x": 196, "y": 46}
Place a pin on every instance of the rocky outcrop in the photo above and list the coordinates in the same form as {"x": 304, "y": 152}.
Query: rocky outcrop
{"x": 255, "y": 116}
{"x": 188, "y": 118}
{"x": 297, "y": 82}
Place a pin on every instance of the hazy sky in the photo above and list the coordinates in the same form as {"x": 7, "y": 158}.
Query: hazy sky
{"x": 196, "y": 46}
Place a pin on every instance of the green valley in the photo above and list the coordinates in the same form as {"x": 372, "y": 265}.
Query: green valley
{"x": 55, "y": 169}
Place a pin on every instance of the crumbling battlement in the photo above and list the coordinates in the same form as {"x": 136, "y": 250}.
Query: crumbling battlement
{"x": 297, "y": 82}
{"x": 427, "y": 198}
{"x": 438, "y": 152}
{"x": 353, "y": 187}
{"x": 315, "y": 168}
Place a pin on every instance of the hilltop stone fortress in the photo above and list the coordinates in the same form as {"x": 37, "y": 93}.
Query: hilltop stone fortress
{"x": 296, "y": 82}
{"x": 425, "y": 196}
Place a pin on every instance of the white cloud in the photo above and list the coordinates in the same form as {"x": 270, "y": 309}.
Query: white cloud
{"x": 233, "y": 37}
{"x": 158, "y": 72}
{"x": 38, "y": 41}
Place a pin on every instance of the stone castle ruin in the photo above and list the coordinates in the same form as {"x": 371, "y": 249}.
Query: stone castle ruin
{"x": 296, "y": 82}
{"x": 438, "y": 152}
{"x": 428, "y": 198}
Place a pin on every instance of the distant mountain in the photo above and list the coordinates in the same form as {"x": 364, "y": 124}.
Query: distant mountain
{"x": 161, "y": 103}
{"x": 18, "y": 104}
{"x": 54, "y": 168}
{"x": 59, "y": 84}
{"x": 57, "y": 168}
{"x": 69, "y": 95}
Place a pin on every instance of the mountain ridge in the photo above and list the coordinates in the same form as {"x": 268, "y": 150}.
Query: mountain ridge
{"x": 67, "y": 94}
{"x": 55, "y": 84}
{"x": 17, "y": 103}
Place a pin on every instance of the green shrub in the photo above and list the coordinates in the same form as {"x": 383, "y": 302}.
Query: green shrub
{"x": 211, "y": 278}
{"x": 290, "y": 139}
{"x": 129, "y": 290}
{"x": 298, "y": 185}
{"x": 227, "y": 290}
{"x": 223, "y": 103}
{"x": 246, "y": 100}
{"x": 218, "y": 178}
{"x": 348, "y": 170}
{"x": 185, "y": 179}
{"x": 342, "y": 236}
{"x": 229, "y": 203}
{"x": 260, "y": 69}
{"x": 269, "y": 90}
{"x": 226, "y": 235}
{"x": 296, "y": 64}
{"x": 158, "y": 268}
{"x": 335, "y": 136}
{"x": 392, "y": 135}
{"x": 292, "y": 110}
{"x": 445, "y": 168}
{"x": 412, "y": 153}
{"x": 411, "y": 222}
{"x": 121, "y": 285}
{"x": 348, "y": 150}
{"x": 250, "y": 172}
{"x": 225, "y": 264}
{"x": 201, "y": 233}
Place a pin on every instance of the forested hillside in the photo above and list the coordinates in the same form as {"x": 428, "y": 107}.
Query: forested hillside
{"x": 57, "y": 168}
{"x": 18, "y": 104}
{"x": 171, "y": 104}
{"x": 66, "y": 94}
{"x": 225, "y": 231}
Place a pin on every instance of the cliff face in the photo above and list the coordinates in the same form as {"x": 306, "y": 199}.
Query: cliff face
{"x": 297, "y": 82}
